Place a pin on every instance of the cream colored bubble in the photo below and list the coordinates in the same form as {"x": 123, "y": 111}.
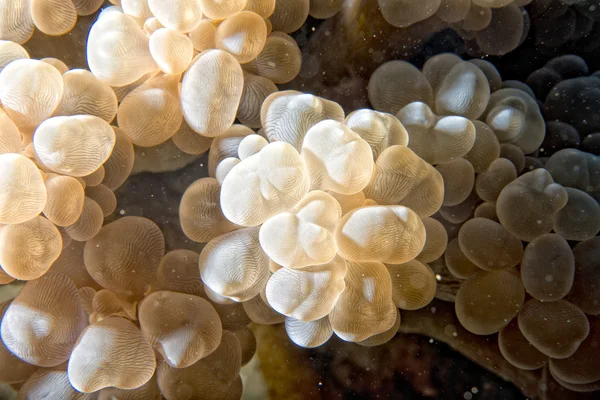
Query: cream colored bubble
{"x": 349, "y": 202}
{"x": 12, "y": 368}
{"x": 389, "y": 234}
{"x": 345, "y": 171}
{"x": 233, "y": 265}
{"x": 203, "y": 35}
{"x": 289, "y": 15}
{"x": 251, "y": 145}
{"x": 138, "y": 10}
{"x": 125, "y": 254}
{"x": 104, "y": 197}
{"x": 200, "y": 213}
{"x": 124, "y": 359}
{"x": 225, "y": 167}
{"x": 53, "y": 17}
{"x": 264, "y": 8}
{"x": 151, "y": 25}
{"x": 396, "y": 84}
{"x": 22, "y": 191}
{"x": 16, "y": 23}
{"x": 218, "y": 9}
{"x": 10, "y": 137}
{"x": 526, "y": 207}
{"x": 383, "y": 337}
{"x": 486, "y": 148}
{"x": 183, "y": 328}
{"x": 85, "y": 94}
{"x": 556, "y": 328}
{"x": 11, "y": 51}
{"x": 307, "y": 294}
{"x": 490, "y": 183}
{"x": 487, "y": 302}
{"x": 368, "y": 288}
{"x": 308, "y": 334}
{"x": 28, "y": 249}
{"x": 117, "y": 49}
{"x": 49, "y": 383}
{"x": 30, "y": 91}
{"x": 120, "y": 163}
{"x": 404, "y": 13}
{"x": 215, "y": 77}
{"x": 436, "y": 139}
{"x": 256, "y": 90}
{"x": 151, "y": 114}
{"x": 413, "y": 284}
{"x": 172, "y": 50}
{"x": 243, "y": 35}
{"x": 437, "y": 68}
{"x": 280, "y": 60}
{"x": 65, "y": 199}
{"x": 271, "y": 181}
{"x": 75, "y": 145}
{"x": 380, "y": 130}
{"x": 436, "y": 240}
{"x": 459, "y": 179}
{"x": 42, "y": 323}
{"x": 464, "y": 91}
{"x": 288, "y": 115}
{"x": 180, "y": 15}
{"x": 225, "y": 146}
{"x": 402, "y": 177}
{"x": 517, "y": 350}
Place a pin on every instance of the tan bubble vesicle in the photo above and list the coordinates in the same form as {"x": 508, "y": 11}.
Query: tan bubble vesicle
{"x": 104, "y": 197}
{"x": 556, "y": 328}
{"x": 148, "y": 390}
{"x": 436, "y": 240}
{"x": 89, "y": 223}
{"x": 16, "y": 23}
{"x": 488, "y": 245}
{"x": 53, "y": 17}
{"x": 10, "y": 137}
{"x": 503, "y": 32}
{"x": 307, "y": 294}
{"x": 125, "y": 255}
{"x": 225, "y": 146}
{"x": 234, "y": 266}
{"x": 138, "y": 10}
{"x": 383, "y": 337}
{"x": 215, "y": 77}
{"x": 486, "y": 210}
{"x": 65, "y": 199}
{"x": 70, "y": 263}
{"x": 465, "y": 91}
{"x": 389, "y": 234}
{"x": 346, "y": 171}
{"x": 256, "y": 90}
{"x": 200, "y": 213}
{"x": 436, "y": 139}
{"x": 248, "y": 343}
{"x": 12, "y": 368}
{"x": 178, "y": 272}
{"x": 380, "y": 130}
{"x": 124, "y": 359}
{"x": 183, "y": 328}
{"x": 106, "y": 304}
{"x": 151, "y": 114}
{"x": 75, "y": 145}
{"x": 458, "y": 264}
{"x": 11, "y": 51}
{"x": 117, "y": 49}
{"x": 413, "y": 284}
{"x": 453, "y": 10}
{"x": 585, "y": 293}
{"x": 264, "y": 8}
{"x": 486, "y": 148}
{"x": 288, "y": 115}
{"x": 120, "y": 163}
{"x": 349, "y": 202}
{"x": 517, "y": 350}
{"x": 260, "y": 312}
{"x": 124, "y": 90}
{"x": 189, "y": 141}
{"x": 87, "y": 7}
{"x": 86, "y": 94}
{"x": 514, "y": 154}
{"x": 232, "y": 315}
{"x": 579, "y": 219}
{"x": 243, "y": 35}
{"x": 459, "y": 179}
{"x": 402, "y": 177}
{"x": 396, "y": 84}
{"x": 203, "y": 35}
{"x": 404, "y": 13}
{"x": 172, "y": 50}
{"x": 27, "y": 250}
{"x": 487, "y": 301}
{"x": 179, "y": 15}
{"x": 48, "y": 383}
{"x": 152, "y": 24}
{"x": 490, "y": 183}
{"x": 368, "y": 288}
{"x": 95, "y": 178}
{"x": 289, "y": 15}
{"x": 436, "y": 68}
{"x": 43, "y": 322}
{"x": 548, "y": 268}
{"x": 488, "y": 69}
{"x": 218, "y": 9}
{"x": 30, "y": 91}
{"x": 575, "y": 168}
{"x": 22, "y": 191}
{"x": 526, "y": 207}
{"x": 280, "y": 60}
{"x": 325, "y": 9}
